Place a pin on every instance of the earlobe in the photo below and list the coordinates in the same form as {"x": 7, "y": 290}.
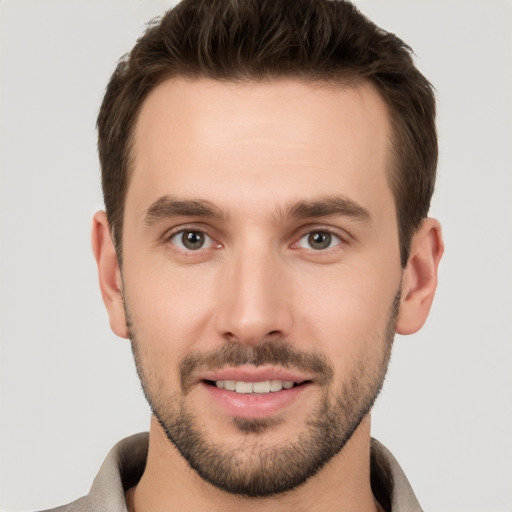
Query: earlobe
{"x": 420, "y": 277}
{"x": 109, "y": 273}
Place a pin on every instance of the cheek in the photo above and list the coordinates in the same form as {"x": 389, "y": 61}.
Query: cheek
{"x": 170, "y": 310}
{"x": 347, "y": 314}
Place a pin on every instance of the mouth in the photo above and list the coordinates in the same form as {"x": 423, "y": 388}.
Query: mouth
{"x": 262, "y": 387}
{"x": 248, "y": 392}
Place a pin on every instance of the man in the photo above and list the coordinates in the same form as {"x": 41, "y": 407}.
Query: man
{"x": 267, "y": 170}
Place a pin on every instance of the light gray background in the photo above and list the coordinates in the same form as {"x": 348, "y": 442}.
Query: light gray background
{"x": 68, "y": 386}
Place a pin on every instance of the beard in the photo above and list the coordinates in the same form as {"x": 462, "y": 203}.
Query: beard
{"x": 253, "y": 468}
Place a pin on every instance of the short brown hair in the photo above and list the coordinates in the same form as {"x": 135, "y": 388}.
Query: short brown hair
{"x": 254, "y": 40}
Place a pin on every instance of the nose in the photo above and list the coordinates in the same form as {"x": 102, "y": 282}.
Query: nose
{"x": 254, "y": 303}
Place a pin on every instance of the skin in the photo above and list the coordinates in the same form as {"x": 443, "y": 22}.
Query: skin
{"x": 253, "y": 151}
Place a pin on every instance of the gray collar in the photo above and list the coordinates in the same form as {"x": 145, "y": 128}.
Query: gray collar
{"x": 125, "y": 464}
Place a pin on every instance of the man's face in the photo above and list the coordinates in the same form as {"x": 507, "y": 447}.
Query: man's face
{"x": 261, "y": 252}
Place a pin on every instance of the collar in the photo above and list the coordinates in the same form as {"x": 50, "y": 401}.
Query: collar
{"x": 125, "y": 464}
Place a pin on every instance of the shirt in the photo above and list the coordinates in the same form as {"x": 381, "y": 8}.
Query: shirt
{"x": 125, "y": 464}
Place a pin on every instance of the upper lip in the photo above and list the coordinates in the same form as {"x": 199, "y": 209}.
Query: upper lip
{"x": 254, "y": 374}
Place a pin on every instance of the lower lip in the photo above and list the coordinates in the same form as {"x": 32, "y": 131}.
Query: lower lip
{"x": 254, "y": 405}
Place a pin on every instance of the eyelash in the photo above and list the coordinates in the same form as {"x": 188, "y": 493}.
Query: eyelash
{"x": 334, "y": 239}
{"x": 169, "y": 237}
{"x": 212, "y": 243}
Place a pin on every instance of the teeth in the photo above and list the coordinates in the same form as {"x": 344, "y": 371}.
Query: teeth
{"x": 276, "y": 385}
{"x": 243, "y": 387}
{"x": 230, "y": 385}
{"x": 262, "y": 387}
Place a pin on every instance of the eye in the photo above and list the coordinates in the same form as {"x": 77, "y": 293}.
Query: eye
{"x": 191, "y": 240}
{"x": 319, "y": 240}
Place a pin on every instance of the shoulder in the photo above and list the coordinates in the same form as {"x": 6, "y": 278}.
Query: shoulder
{"x": 121, "y": 469}
{"x": 389, "y": 484}
{"x": 79, "y": 505}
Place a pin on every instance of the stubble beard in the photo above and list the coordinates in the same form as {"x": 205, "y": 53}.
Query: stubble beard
{"x": 253, "y": 468}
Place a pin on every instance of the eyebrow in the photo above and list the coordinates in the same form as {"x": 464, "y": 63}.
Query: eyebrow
{"x": 167, "y": 206}
{"x": 324, "y": 207}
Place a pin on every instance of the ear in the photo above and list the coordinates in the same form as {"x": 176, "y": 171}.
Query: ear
{"x": 420, "y": 277}
{"x": 109, "y": 273}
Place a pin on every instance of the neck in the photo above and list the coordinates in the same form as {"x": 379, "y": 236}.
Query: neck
{"x": 168, "y": 483}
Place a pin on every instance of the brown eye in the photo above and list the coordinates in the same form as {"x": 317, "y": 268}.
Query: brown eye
{"x": 192, "y": 240}
{"x": 189, "y": 240}
{"x": 319, "y": 240}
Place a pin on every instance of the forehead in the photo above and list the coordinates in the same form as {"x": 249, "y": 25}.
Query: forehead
{"x": 283, "y": 137}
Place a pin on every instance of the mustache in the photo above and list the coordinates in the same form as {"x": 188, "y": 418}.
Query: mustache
{"x": 272, "y": 353}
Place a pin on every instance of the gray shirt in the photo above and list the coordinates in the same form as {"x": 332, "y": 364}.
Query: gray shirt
{"x": 125, "y": 464}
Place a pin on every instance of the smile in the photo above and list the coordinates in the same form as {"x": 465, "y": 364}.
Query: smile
{"x": 254, "y": 392}
{"x": 261, "y": 387}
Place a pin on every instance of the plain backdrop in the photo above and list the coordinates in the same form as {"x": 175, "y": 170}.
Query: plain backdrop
{"x": 68, "y": 385}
